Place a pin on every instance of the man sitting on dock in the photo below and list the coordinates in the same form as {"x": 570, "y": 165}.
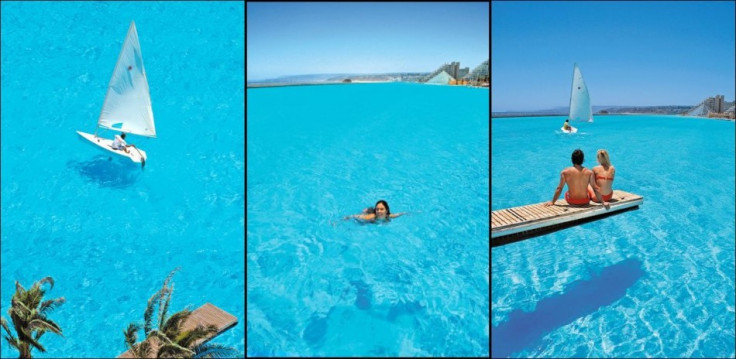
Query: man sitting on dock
{"x": 577, "y": 178}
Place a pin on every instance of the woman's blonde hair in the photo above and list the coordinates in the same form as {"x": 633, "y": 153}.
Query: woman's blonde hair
{"x": 603, "y": 158}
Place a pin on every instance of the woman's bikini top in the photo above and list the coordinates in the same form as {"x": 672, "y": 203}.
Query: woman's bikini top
{"x": 604, "y": 178}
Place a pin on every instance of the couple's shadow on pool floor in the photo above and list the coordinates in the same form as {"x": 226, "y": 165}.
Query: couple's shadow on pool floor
{"x": 580, "y": 298}
{"x": 107, "y": 171}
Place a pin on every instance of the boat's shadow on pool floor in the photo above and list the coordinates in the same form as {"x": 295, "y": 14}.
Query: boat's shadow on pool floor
{"x": 581, "y": 298}
{"x": 107, "y": 172}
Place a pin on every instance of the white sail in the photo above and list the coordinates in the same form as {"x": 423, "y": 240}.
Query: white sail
{"x": 127, "y": 106}
{"x": 580, "y": 109}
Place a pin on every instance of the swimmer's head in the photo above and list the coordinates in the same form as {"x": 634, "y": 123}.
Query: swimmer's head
{"x": 381, "y": 209}
{"x": 369, "y": 210}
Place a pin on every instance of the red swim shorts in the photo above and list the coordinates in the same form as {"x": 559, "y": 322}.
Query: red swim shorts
{"x": 580, "y": 201}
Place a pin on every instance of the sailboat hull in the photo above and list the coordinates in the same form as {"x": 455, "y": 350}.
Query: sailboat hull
{"x": 136, "y": 155}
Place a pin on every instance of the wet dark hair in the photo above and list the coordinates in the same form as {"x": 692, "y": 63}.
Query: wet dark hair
{"x": 568, "y": 120}
{"x": 385, "y": 204}
{"x": 122, "y": 135}
{"x": 369, "y": 210}
{"x": 578, "y": 157}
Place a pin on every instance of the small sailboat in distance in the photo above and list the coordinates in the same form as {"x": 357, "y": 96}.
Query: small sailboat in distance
{"x": 127, "y": 107}
{"x": 580, "y": 108}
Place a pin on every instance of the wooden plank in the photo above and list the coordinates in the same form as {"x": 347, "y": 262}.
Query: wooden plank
{"x": 204, "y": 315}
{"x": 507, "y": 217}
{"x": 535, "y": 216}
{"x": 533, "y": 213}
{"x": 500, "y": 217}
{"x": 496, "y": 220}
{"x": 524, "y": 212}
{"x": 517, "y": 215}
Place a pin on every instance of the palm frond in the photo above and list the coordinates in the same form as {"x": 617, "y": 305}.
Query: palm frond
{"x": 165, "y": 292}
{"x": 45, "y": 325}
{"x": 172, "y": 326}
{"x": 51, "y": 304}
{"x": 171, "y": 274}
{"x": 161, "y": 336}
{"x": 162, "y": 312}
{"x": 13, "y": 342}
{"x": 25, "y": 337}
{"x": 19, "y": 290}
{"x": 4, "y": 324}
{"x": 20, "y": 308}
{"x": 131, "y": 335}
{"x": 148, "y": 314}
{"x": 46, "y": 280}
{"x": 174, "y": 351}
{"x": 206, "y": 350}
{"x": 199, "y": 332}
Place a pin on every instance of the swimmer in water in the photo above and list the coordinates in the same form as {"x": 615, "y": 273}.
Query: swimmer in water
{"x": 379, "y": 211}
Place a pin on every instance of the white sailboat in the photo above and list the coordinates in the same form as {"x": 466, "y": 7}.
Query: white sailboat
{"x": 580, "y": 108}
{"x": 127, "y": 106}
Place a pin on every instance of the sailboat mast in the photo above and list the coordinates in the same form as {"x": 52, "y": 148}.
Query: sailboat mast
{"x": 572, "y": 91}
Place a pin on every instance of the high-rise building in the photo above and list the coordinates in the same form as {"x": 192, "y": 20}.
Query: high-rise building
{"x": 719, "y": 104}
{"x": 479, "y": 72}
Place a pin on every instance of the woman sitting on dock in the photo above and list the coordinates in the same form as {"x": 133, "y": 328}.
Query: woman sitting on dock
{"x": 603, "y": 177}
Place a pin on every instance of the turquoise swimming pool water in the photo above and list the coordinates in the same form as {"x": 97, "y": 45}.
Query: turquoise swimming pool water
{"x": 320, "y": 286}
{"x": 654, "y": 282}
{"x": 105, "y": 230}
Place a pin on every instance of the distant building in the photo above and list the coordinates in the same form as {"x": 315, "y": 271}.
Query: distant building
{"x": 479, "y": 73}
{"x": 451, "y": 69}
{"x": 714, "y": 104}
{"x": 441, "y": 78}
{"x": 711, "y": 106}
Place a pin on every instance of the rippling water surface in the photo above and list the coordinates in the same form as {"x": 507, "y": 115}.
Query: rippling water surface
{"x": 106, "y": 231}
{"x": 320, "y": 286}
{"x": 654, "y": 282}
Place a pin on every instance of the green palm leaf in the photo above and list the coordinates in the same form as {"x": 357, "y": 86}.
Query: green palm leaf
{"x": 174, "y": 351}
{"x": 207, "y": 350}
{"x": 51, "y": 304}
{"x": 45, "y": 325}
{"x": 27, "y": 313}
{"x": 148, "y": 314}
{"x": 171, "y": 327}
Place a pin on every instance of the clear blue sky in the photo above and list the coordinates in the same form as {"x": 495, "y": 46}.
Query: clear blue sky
{"x": 314, "y": 38}
{"x": 630, "y": 53}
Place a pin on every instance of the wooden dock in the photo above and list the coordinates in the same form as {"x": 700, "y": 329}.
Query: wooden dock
{"x": 526, "y": 220}
{"x": 204, "y": 315}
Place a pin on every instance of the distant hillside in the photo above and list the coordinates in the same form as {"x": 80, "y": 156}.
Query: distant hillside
{"x": 597, "y": 110}
{"x": 299, "y": 78}
{"x": 338, "y": 77}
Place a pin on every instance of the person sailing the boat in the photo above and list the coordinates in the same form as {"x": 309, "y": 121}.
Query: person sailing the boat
{"x": 566, "y": 125}
{"x": 120, "y": 144}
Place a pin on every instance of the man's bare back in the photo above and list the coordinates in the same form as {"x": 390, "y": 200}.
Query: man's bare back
{"x": 577, "y": 179}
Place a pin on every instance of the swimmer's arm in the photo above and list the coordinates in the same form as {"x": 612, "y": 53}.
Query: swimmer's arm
{"x": 358, "y": 216}
{"x": 394, "y": 215}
